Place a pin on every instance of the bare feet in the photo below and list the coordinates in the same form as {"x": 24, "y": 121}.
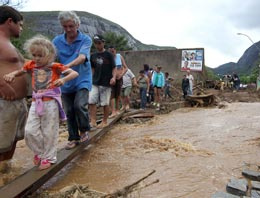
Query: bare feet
{"x": 102, "y": 125}
{"x": 93, "y": 124}
{"x": 113, "y": 115}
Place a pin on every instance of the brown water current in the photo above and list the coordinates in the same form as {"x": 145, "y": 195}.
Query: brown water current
{"x": 195, "y": 151}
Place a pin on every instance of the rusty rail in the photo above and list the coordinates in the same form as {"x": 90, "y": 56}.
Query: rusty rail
{"x": 33, "y": 179}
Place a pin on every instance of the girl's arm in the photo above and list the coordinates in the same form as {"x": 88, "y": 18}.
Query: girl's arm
{"x": 10, "y": 77}
{"x": 69, "y": 75}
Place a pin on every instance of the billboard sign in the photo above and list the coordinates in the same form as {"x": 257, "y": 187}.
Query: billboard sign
{"x": 192, "y": 59}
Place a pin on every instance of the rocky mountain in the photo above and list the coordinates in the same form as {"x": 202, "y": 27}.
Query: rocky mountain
{"x": 245, "y": 64}
{"x": 47, "y": 23}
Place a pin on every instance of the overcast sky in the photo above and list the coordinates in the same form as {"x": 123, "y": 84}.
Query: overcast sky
{"x": 210, "y": 24}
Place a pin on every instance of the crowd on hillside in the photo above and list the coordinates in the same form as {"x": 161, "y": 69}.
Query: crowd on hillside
{"x": 68, "y": 83}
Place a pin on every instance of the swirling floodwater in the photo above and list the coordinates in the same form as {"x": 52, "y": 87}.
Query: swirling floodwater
{"x": 194, "y": 151}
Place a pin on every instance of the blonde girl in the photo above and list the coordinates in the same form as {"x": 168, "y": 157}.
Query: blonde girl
{"x": 41, "y": 131}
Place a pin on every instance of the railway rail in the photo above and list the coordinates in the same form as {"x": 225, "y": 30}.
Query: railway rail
{"x": 33, "y": 179}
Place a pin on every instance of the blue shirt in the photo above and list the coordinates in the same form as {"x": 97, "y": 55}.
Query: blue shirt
{"x": 118, "y": 61}
{"x": 158, "y": 79}
{"x": 68, "y": 52}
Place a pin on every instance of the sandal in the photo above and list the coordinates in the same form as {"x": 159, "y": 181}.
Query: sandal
{"x": 84, "y": 137}
{"x": 44, "y": 165}
{"x": 36, "y": 160}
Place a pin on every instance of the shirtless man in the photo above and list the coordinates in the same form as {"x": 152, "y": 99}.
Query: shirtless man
{"x": 121, "y": 69}
{"x": 13, "y": 109}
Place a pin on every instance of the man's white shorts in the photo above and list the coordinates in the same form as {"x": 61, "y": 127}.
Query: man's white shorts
{"x": 99, "y": 95}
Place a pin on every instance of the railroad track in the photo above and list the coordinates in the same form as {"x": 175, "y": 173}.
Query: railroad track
{"x": 33, "y": 179}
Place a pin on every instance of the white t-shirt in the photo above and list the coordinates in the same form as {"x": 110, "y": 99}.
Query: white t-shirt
{"x": 127, "y": 78}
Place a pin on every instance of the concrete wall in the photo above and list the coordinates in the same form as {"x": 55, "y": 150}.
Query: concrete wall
{"x": 170, "y": 60}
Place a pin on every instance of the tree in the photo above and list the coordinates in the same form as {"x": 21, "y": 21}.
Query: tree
{"x": 210, "y": 74}
{"x": 19, "y": 42}
{"x": 245, "y": 79}
{"x": 14, "y": 3}
{"x": 254, "y": 74}
{"x": 255, "y": 71}
{"x": 118, "y": 41}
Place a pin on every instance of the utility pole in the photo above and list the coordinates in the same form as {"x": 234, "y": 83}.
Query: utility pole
{"x": 258, "y": 49}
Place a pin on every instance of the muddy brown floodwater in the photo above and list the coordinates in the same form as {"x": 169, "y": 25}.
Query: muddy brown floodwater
{"x": 195, "y": 151}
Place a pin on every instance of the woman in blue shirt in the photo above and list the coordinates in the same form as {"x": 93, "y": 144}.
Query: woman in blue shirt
{"x": 158, "y": 81}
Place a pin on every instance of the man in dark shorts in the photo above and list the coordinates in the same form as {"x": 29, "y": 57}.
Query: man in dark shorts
{"x": 121, "y": 69}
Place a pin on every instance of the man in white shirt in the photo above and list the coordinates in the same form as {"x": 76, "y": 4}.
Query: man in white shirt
{"x": 191, "y": 79}
{"x": 129, "y": 80}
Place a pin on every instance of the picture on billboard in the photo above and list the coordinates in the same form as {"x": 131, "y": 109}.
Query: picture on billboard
{"x": 192, "y": 60}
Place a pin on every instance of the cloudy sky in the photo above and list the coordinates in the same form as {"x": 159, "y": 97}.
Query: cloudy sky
{"x": 210, "y": 24}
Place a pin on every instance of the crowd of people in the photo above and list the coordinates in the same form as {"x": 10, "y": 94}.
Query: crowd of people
{"x": 230, "y": 81}
{"x": 78, "y": 81}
